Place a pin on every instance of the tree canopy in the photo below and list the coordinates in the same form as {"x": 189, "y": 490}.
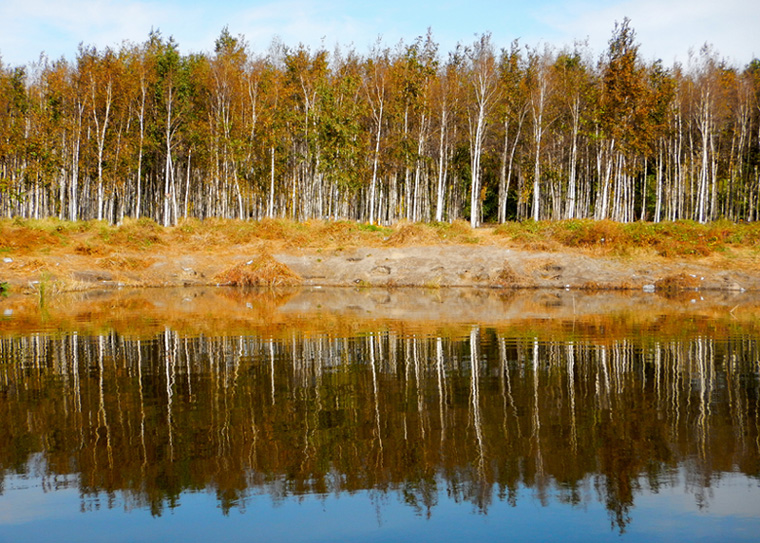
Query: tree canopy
{"x": 403, "y": 132}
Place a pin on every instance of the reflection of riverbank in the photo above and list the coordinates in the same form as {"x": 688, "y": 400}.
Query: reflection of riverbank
{"x": 214, "y": 311}
{"x": 476, "y": 417}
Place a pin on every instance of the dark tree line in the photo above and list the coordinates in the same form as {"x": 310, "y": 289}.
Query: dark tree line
{"x": 400, "y": 133}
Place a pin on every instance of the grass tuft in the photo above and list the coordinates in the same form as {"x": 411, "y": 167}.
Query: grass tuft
{"x": 405, "y": 233}
{"x": 120, "y": 262}
{"x": 506, "y": 277}
{"x": 262, "y": 271}
{"x": 677, "y": 282}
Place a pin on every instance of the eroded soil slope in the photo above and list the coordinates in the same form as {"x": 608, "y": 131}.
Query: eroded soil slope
{"x": 141, "y": 254}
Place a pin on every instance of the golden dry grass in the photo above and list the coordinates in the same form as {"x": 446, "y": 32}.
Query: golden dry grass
{"x": 507, "y": 278}
{"x": 405, "y": 234}
{"x": 262, "y": 271}
{"x": 676, "y": 282}
{"x": 28, "y": 265}
{"x": 666, "y": 239}
{"x": 96, "y": 238}
{"x": 23, "y": 237}
{"x": 90, "y": 250}
{"x": 411, "y": 234}
{"x": 121, "y": 262}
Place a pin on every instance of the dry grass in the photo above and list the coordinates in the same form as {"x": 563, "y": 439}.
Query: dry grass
{"x": 263, "y": 271}
{"x": 405, "y": 234}
{"x": 86, "y": 249}
{"x": 594, "y": 286}
{"x": 667, "y": 239}
{"x": 506, "y": 277}
{"x": 120, "y": 262}
{"x": 24, "y": 237}
{"x": 542, "y": 265}
{"x": 341, "y": 233}
{"x": 677, "y": 282}
{"x": 411, "y": 234}
{"x": 29, "y": 265}
{"x": 139, "y": 234}
{"x": 94, "y": 238}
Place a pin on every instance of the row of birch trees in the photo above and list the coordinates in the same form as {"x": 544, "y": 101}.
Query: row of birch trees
{"x": 482, "y": 133}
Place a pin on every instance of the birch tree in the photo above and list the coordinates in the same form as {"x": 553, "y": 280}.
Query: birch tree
{"x": 573, "y": 90}
{"x": 227, "y": 69}
{"x": 622, "y": 114}
{"x": 375, "y": 87}
{"x": 482, "y": 80}
{"x": 145, "y": 130}
{"x": 513, "y": 110}
{"x": 447, "y": 91}
{"x": 538, "y": 78}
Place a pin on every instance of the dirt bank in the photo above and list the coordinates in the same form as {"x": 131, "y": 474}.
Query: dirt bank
{"x": 483, "y": 266}
{"x": 426, "y": 266}
{"x": 345, "y": 256}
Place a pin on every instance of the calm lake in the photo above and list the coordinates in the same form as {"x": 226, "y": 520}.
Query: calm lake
{"x": 345, "y": 415}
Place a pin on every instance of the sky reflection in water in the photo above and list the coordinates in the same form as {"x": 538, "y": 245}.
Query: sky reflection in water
{"x": 29, "y": 514}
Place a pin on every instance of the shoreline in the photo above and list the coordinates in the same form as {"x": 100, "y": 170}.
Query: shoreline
{"x": 430, "y": 266}
{"x": 54, "y": 256}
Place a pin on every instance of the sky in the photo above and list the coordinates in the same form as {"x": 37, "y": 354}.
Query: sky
{"x": 665, "y": 29}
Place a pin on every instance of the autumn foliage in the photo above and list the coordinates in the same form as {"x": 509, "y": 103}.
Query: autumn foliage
{"x": 410, "y": 133}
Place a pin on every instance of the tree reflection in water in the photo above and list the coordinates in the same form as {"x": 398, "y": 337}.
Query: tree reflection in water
{"x": 477, "y": 416}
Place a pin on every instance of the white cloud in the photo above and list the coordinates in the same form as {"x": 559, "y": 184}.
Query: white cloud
{"x": 310, "y": 23}
{"x": 665, "y": 29}
{"x": 58, "y": 27}
{"x": 33, "y": 26}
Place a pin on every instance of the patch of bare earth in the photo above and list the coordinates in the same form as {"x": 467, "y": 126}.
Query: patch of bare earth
{"x": 344, "y": 254}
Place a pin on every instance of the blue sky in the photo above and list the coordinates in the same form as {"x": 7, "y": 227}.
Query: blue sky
{"x": 666, "y": 29}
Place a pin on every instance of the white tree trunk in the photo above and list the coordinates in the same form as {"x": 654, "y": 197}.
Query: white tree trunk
{"x": 375, "y": 160}
{"x": 441, "y": 160}
{"x": 270, "y": 203}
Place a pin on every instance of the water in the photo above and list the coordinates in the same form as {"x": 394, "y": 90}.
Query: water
{"x": 356, "y": 416}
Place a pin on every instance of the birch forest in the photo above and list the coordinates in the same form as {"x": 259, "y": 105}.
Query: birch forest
{"x": 486, "y": 133}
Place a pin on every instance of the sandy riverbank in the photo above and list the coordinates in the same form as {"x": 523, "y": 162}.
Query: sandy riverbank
{"x": 421, "y": 266}
{"x": 342, "y": 254}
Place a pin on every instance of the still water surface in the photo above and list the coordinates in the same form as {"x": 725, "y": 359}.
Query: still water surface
{"x": 598, "y": 429}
